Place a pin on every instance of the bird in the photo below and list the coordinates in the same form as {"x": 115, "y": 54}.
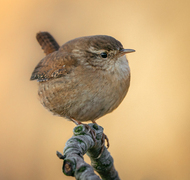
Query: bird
{"x": 84, "y": 79}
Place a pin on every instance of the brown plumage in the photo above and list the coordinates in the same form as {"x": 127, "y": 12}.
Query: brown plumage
{"x": 85, "y": 78}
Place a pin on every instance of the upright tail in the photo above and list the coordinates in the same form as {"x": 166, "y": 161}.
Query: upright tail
{"x": 47, "y": 42}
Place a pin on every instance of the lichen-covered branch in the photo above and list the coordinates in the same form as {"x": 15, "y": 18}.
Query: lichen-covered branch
{"x": 81, "y": 143}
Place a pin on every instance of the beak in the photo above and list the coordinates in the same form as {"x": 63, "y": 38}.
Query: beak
{"x": 124, "y": 51}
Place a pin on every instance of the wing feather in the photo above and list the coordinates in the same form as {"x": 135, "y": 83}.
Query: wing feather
{"x": 54, "y": 65}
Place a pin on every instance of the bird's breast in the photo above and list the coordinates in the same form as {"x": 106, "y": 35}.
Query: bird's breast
{"x": 118, "y": 83}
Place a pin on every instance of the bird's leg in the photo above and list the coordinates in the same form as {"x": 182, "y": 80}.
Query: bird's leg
{"x": 75, "y": 121}
{"x": 104, "y": 137}
{"x": 92, "y": 132}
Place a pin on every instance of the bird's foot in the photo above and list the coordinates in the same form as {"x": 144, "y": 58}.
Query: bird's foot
{"x": 90, "y": 130}
{"x": 93, "y": 133}
{"x": 103, "y": 139}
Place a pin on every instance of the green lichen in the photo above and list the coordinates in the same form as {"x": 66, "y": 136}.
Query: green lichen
{"x": 82, "y": 169}
{"x": 95, "y": 126}
{"x": 78, "y": 129}
{"x": 79, "y": 140}
{"x": 102, "y": 166}
{"x": 82, "y": 133}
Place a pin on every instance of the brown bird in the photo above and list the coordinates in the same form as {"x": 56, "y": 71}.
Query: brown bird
{"x": 84, "y": 79}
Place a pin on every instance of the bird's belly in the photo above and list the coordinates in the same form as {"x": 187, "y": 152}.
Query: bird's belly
{"x": 82, "y": 100}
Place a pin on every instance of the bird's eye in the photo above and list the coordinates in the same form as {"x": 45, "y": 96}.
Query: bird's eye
{"x": 104, "y": 55}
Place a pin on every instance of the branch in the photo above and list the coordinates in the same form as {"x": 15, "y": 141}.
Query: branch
{"x": 81, "y": 143}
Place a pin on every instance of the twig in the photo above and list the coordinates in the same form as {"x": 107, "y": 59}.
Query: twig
{"x": 81, "y": 143}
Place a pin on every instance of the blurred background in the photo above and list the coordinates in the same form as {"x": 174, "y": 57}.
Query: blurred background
{"x": 150, "y": 131}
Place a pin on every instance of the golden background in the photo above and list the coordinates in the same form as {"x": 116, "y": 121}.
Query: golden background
{"x": 149, "y": 132}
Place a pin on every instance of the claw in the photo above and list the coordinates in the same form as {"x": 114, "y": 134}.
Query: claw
{"x": 104, "y": 137}
{"x": 92, "y": 132}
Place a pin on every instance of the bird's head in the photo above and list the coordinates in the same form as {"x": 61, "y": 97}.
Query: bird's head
{"x": 98, "y": 52}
